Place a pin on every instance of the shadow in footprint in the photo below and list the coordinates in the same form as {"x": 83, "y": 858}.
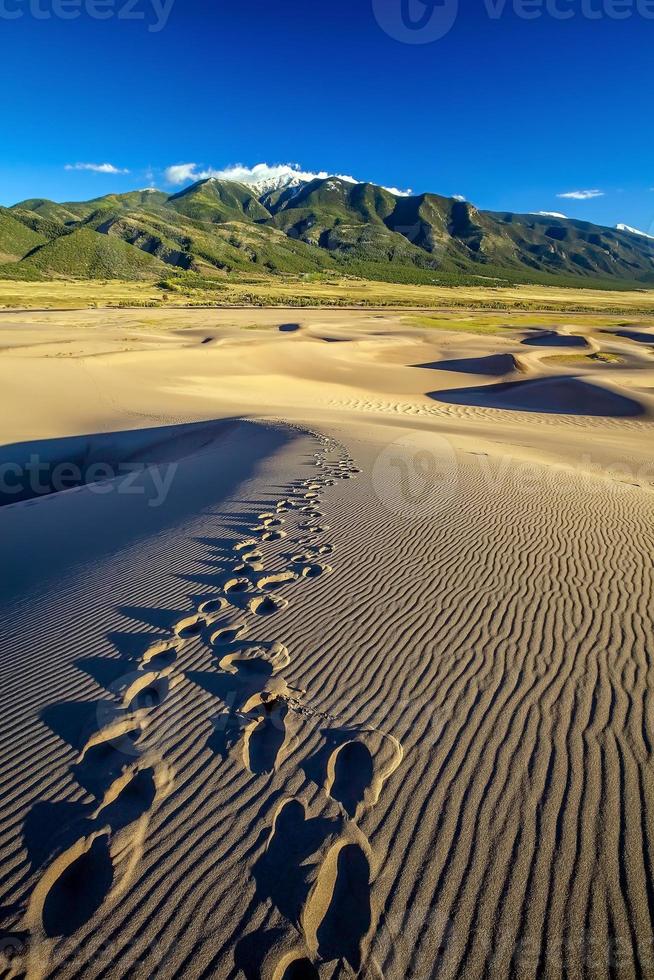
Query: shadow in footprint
{"x": 265, "y": 740}
{"x": 348, "y": 918}
{"x": 302, "y": 969}
{"x": 289, "y": 327}
{"x": 147, "y": 697}
{"x": 353, "y": 774}
{"x": 78, "y": 891}
{"x": 103, "y": 762}
{"x": 251, "y": 951}
{"x": 285, "y": 871}
{"x": 136, "y": 799}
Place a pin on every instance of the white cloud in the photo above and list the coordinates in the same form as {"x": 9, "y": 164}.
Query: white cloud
{"x": 549, "y": 214}
{"x": 458, "y": 197}
{"x": 262, "y": 175}
{"x": 582, "y": 195}
{"x": 182, "y": 172}
{"x": 96, "y": 168}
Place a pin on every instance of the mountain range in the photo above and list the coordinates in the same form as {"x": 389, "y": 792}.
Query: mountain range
{"x": 216, "y": 227}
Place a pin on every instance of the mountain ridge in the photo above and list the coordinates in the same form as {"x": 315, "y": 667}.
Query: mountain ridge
{"x": 289, "y": 225}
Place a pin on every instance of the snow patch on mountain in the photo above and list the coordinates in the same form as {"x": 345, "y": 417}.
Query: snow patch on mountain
{"x": 634, "y": 231}
{"x": 263, "y": 177}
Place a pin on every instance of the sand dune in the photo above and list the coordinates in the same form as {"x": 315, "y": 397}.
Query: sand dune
{"x": 351, "y": 679}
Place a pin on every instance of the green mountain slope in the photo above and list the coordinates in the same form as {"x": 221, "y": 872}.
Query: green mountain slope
{"x": 216, "y": 227}
{"x": 219, "y": 200}
{"x": 86, "y": 254}
{"x": 16, "y": 239}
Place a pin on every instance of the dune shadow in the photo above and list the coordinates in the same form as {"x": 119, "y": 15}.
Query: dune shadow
{"x": 550, "y": 396}
{"x": 493, "y": 365}
{"x": 638, "y": 336}
{"x": 73, "y": 462}
{"x": 550, "y": 338}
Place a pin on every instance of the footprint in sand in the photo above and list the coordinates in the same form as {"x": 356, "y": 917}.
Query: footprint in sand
{"x": 271, "y": 521}
{"x": 287, "y": 870}
{"x": 79, "y": 881}
{"x": 134, "y": 793}
{"x": 237, "y": 586}
{"x": 358, "y": 768}
{"x": 118, "y": 736}
{"x": 273, "y": 535}
{"x": 148, "y": 691}
{"x": 264, "y": 723}
{"x": 312, "y": 554}
{"x": 245, "y": 545}
{"x": 267, "y": 605}
{"x": 266, "y": 738}
{"x": 190, "y": 627}
{"x": 229, "y": 634}
{"x": 212, "y": 608}
{"x": 161, "y": 655}
{"x": 73, "y": 888}
{"x": 338, "y": 919}
{"x": 252, "y": 558}
{"x": 316, "y": 570}
{"x": 260, "y": 662}
{"x": 315, "y": 529}
{"x": 269, "y": 583}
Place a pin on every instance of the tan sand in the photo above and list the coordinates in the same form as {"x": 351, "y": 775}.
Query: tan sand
{"x": 329, "y": 652}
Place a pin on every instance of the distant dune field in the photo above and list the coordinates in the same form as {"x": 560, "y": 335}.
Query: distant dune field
{"x": 327, "y": 644}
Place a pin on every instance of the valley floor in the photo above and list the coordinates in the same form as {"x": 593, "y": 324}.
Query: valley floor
{"x": 327, "y": 646}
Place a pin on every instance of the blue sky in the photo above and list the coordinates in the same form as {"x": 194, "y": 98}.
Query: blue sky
{"x": 507, "y": 111}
